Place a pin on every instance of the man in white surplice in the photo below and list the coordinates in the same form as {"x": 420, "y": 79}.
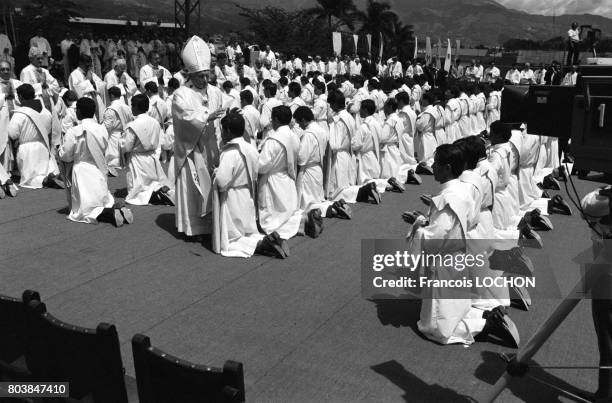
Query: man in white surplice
{"x": 115, "y": 119}
{"x": 146, "y": 181}
{"x": 196, "y": 107}
{"x": 84, "y": 145}
{"x": 45, "y": 85}
{"x": 31, "y": 127}
{"x": 278, "y": 200}
{"x": 118, "y": 77}
{"x": 235, "y": 214}
{"x": 86, "y": 83}
{"x": 156, "y": 73}
{"x": 8, "y": 103}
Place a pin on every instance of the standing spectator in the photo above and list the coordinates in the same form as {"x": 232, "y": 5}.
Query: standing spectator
{"x": 40, "y": 42}
{"x": 5, "y": 42}
{"x": 492, "y": 73}
{"x": 573, "y": 41}
{"x": 64, "y": 47}
{"x": 527, "y": 75}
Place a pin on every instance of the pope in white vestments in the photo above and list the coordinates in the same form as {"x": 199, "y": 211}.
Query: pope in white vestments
{"x": 195, "y": 108}
{"x": 278, "y": 200}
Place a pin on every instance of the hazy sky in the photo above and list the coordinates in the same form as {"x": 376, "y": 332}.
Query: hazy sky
{"x": 548, "y": 7}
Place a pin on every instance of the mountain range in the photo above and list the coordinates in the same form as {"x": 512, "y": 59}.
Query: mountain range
{"x": 475, "y": 22}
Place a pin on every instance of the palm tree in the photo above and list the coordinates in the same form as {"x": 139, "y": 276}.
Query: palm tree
{"x": 402, "y": 40}
{"x": 344, "y": 11}
{"x": 377, "y": 17}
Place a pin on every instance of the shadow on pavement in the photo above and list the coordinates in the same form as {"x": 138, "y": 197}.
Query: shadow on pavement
{"x": 416, "y": 390}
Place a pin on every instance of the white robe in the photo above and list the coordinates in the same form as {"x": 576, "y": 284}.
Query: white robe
{"x": 145, "y": 174}
{"x": 35, "y": 77}
{"x": 390, "y": 156}
{"x": 6, "y": 153}
{"x": 196, "y": 154}
{"x": 127, "y": 90}
{"x": 425, "y": 142}
{"x": 442, "y": 319}
{"x": 310, "y": 159}
{"x": 505, "y": 206}
{"x": 265, "y": 119}
{"x": 407, "y": 155}
{"x": 79, "y": 83}
{"x": 149, "y": 73}
{"x": 252, "y": 123}
{"x": 342, "y": 171}
{"x": 34, "y": 156}
{"x": 236, "y": 233}
{"x": 116, "y": 118}
{"x": 278, "y": 201}
{"x": 84, "y": 145}
{"x": 369, "y": 134}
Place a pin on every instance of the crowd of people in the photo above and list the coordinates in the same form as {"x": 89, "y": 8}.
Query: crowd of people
{"x": 255, "y": 155}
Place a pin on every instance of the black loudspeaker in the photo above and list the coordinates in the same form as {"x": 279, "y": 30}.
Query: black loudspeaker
{"x": 592, "y": 126}
{"x": 514, "y": 104}
{"x": 549, "y": 111}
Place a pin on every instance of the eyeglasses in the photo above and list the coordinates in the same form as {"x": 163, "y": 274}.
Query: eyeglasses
{"x": 5, "y": 69}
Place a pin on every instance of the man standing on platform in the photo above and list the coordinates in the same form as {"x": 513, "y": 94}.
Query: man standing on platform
{"x": 195, "y": 109}
{"x": 573, "y": 42}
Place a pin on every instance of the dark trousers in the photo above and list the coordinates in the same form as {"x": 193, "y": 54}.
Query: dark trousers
{"x": 572, "y": 54}
{"x": 602, "y": 319}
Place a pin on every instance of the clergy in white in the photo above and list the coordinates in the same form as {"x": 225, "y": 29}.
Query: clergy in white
{"x": 30, "y": 126}
{"x": 86, "y": 83}
{"x": 393, "y": 128}
{"x": 278, "y": 200}
{"x": 342, "y": 171}
{"x": 8, "y": 103}
{"x": 146, "y": 181}
{"x": 156, "y": 73}
{"x": 425, "y": 142}
{"x": 84, "y": 145}
{"x": 195, "y": 108}
{"x": 118, "y": 77}
{"x": 252, "y": 117}
{"x": 116, "y": 118}
{"x": 45, "y": 85}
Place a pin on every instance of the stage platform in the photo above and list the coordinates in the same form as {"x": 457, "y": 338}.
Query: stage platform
{"x": 300, "y": 326}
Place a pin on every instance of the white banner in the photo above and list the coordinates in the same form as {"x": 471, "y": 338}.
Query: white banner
{"x": 428, "y": 54}
{"x": 458, "y": 47}
{"x": 439, "y": 55}
{"x": 337, "y": 42}
{"x": 416, "y": 47}
{"x": 381, "y": 47}
{"x": 369, "y": 38}
{"x": 447, "y": 61}
{"x": 356, "y": 39}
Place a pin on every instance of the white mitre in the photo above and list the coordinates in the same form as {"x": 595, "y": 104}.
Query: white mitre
{"x": 196, "y": 55}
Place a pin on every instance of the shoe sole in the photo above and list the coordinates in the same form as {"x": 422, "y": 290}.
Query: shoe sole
{"x": 118, "y": 218}
{"x": 165, "y": 198}
{"x": 127, "y": 215}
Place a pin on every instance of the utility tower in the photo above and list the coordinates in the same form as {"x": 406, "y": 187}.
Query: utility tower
{"x": 184, "y": 12}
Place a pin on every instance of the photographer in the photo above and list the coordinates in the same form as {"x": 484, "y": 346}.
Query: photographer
{"x": 597, "y": 208}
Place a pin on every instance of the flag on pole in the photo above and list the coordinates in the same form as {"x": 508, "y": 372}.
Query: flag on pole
{"x": 428, "y": 54}
{"x": 380, "y": 47}
{"x": 337, "y": 42}
{"x": 439, "y": 55}
{"x": 447, "y": 61}
{"x": 369, "y": 38}
{"x": 457, "y": 51}
{"x": 356, "y": 39}
{"x": 416, "y": 47}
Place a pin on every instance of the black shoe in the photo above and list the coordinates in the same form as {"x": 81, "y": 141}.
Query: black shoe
{"x": 331, "y": 212}
{"x": 512, "y": 261}
{"x": 559, "y": 206}
{"x": 127, "y": 215}
{"x": 10, "y": 188}
{"x": 426, "y": 199}
{"x": 395, "y": 185}
{"x": 560, "y": 174}
{"x": 568, "y": 159}
{"x": 163, "y": 196}
{"x": 413, "y": 178}
{"x": 53, "y": 182}
{"x": 500, "y": 325}
{"x": 545, "y": 194}
{"x": 280, "y": 246}
{"x": 536, "y": 220}
{"x": 118, "y": 217}
{"x": 424, "y": 169}
{"x": 550, "y": 183}
{"x": 368, "y": 191}
{"x": 520, "y": 298}
{"x": 314, "y": 223}
{"x": 342, "y": 210}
